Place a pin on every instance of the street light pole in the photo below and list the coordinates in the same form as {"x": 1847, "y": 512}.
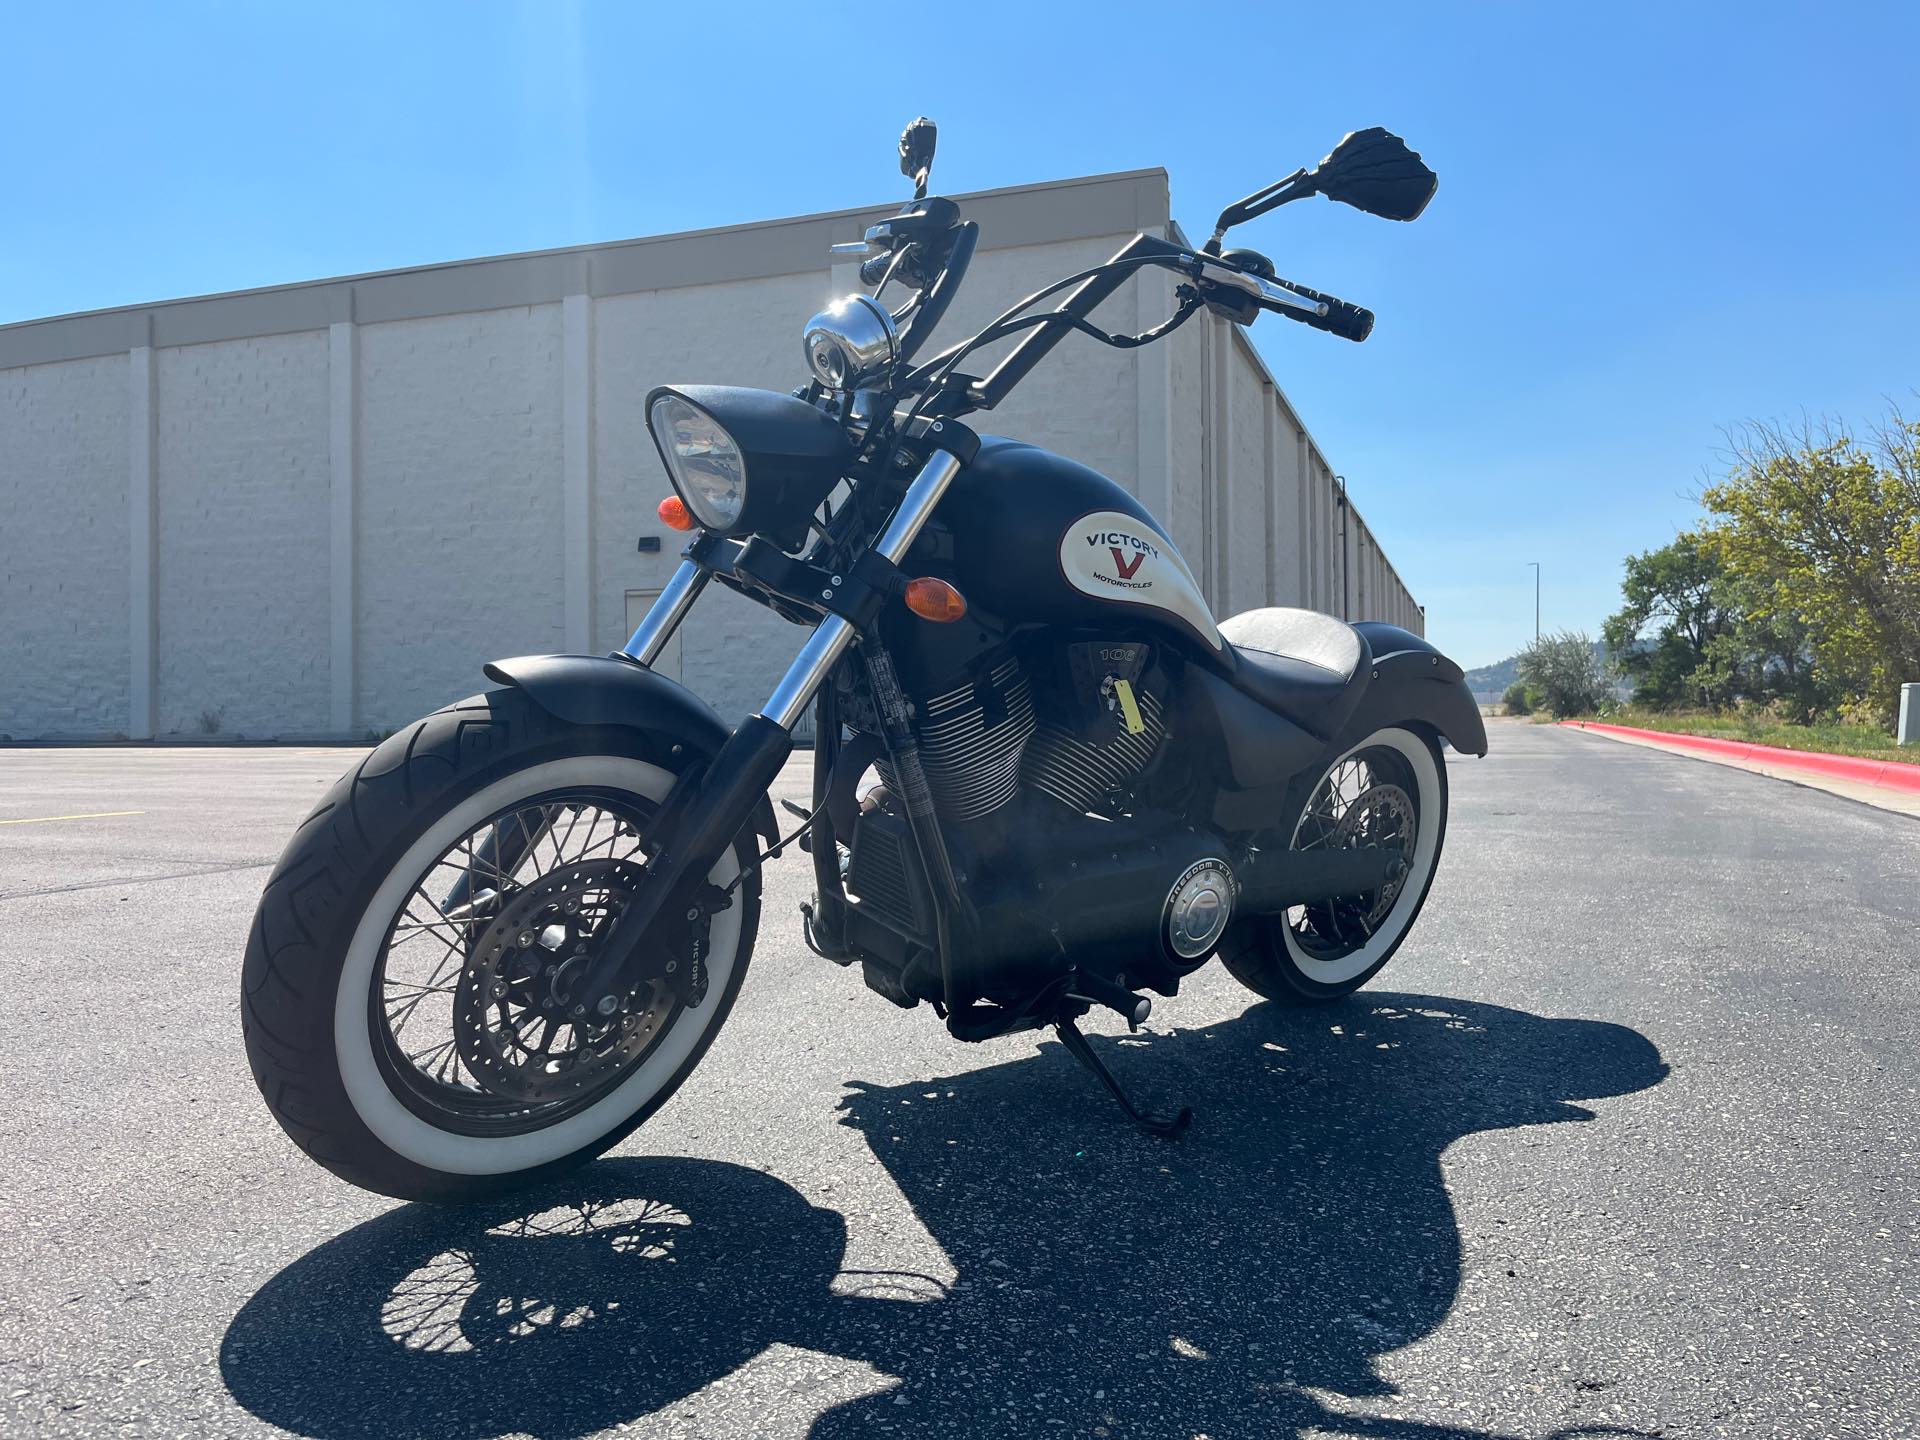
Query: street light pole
{"x": 1536, "y": 600}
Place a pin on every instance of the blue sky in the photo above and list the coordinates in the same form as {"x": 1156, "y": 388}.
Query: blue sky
{"x": 1654, "y": 221}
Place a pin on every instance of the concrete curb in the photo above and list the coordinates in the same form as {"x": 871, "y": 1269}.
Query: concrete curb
{"x": 1879, "y": 774}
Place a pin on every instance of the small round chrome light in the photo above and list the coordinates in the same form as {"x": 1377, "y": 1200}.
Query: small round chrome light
{"x": 851, "y": 343}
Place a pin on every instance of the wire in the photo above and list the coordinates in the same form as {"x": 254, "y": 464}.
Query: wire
{"x": 948, "y": 358}
{"x": 1010, "y": 321}
{"x": 778, "y": 845}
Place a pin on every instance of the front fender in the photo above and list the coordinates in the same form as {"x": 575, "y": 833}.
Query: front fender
{"x": 1412, "y": 680}
{"x": 592, "y": 690}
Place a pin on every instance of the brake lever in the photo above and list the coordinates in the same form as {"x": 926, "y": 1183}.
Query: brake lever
{"x": 1263, "y": 290}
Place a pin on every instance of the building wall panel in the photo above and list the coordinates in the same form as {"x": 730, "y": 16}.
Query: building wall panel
{"x": 242, "y": 581}
{"x": 459, "y": 534}
{"x": 1246, "y": 534}
{"x": 63, "y": 548}
{"x": 1188, "y": 359}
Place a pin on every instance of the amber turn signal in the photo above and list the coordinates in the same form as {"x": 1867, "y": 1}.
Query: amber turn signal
{"x": 935, "y": 600}
{"x": 674, "y": 514}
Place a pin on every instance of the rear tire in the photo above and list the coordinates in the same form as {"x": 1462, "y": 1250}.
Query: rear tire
{"x": 324, "y": 929}
{"x": 1281, "y": 956}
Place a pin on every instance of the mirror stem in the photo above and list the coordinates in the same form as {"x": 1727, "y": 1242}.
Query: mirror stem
{"x": 1256, "y": 204}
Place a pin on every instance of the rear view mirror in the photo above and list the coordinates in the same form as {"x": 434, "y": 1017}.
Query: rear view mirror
{"x": 1374, "y": 171}
{"x": 916, "y": 153}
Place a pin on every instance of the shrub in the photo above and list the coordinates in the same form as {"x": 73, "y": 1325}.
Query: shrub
{"x": 1516, "y": 699}
{"x": 1565, "y": 674}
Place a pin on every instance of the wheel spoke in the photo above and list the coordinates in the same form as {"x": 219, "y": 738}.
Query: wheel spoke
{"x": 1364, "y": 801}
{"x": 492, "y": 1051}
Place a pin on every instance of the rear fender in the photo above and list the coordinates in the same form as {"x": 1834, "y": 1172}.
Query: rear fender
{"x": 596, "y": 690}
{"x": 1413, "y": 681}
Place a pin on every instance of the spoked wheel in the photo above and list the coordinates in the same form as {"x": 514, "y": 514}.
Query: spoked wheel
{"x": 1388, "y": 792}
{"x": 476, "y": 1018}
{"x": 409, "y": 990}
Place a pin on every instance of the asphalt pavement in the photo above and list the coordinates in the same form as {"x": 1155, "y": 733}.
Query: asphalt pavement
{"x": 1623, "y": 1142}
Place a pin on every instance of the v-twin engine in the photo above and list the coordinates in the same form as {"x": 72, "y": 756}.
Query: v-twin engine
{"x": 984, "y": 741}
{"x": 1034, "y": 762}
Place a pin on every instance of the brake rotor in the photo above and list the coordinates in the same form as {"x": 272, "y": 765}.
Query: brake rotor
{"x": 516, "y": 1023}
{"x": 1380, "y": 815}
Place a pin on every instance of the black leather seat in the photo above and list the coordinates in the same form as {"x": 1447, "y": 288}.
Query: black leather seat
{"x": 1309, "y": 667}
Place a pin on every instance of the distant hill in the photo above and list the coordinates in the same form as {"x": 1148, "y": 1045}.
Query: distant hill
{"x": 1489, "y": 682}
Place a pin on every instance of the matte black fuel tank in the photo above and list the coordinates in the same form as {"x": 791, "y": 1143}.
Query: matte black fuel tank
{"x": 1038, "y": 538}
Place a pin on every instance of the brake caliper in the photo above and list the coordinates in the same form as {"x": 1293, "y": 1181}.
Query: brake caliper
{"x": 687, "y": 977}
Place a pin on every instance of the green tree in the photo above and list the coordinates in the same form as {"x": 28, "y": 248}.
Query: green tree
{"x": 1824, "y": 530}
{"x": 1566, "y": 672}
{"x": 1676, "y": 612}
{"x": 1693, "y": 633}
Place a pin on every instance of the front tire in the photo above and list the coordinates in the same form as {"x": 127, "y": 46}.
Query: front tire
{"x": 368, "y": 873}
{"x": 1312, "y": 954}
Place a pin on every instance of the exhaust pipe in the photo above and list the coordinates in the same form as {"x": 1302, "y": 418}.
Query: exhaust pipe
{"x": 1281, "y": 879}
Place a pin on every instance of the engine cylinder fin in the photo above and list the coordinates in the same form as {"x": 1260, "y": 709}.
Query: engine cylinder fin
{"x": 1081, "y": 774}
{"x": 972, "y": 739}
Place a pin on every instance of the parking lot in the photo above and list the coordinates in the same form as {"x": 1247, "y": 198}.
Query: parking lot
{"x": 1624, "y": 1142}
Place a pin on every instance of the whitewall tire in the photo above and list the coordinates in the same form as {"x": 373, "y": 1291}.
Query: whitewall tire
{"x": 323, "y": 937}
{"x": 1311, "y": 954}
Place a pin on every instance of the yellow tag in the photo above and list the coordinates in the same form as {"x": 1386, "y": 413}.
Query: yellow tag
{"x": 1129, "y": 711}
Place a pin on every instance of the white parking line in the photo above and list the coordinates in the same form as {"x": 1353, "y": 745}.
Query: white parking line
{"x": 89, "y": 815}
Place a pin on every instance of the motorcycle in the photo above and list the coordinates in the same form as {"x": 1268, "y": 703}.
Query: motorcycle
{"x": 1045, "y": 779}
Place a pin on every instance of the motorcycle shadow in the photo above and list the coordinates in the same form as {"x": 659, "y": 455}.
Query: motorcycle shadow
{"x": 1121, "y": 1285}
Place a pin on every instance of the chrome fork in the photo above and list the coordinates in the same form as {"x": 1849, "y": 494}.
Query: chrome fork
{"x": 663, "y": 617}
{"x": 832, "y": 636}
{"x": 829, "y": 642}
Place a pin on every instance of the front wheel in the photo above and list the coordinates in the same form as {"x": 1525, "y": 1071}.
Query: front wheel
{"x": 406, "y": 997}
{"x": 1389, "y": 791}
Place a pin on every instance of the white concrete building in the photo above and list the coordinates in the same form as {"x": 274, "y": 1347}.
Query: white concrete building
{"x": 315, "y": 510}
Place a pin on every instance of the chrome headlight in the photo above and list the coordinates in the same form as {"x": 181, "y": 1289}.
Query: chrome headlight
{"x": 704, "y": 463}
{"x": 851, "y": 343}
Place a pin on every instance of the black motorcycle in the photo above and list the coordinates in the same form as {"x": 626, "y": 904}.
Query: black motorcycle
{"x": 1044, "y": 779}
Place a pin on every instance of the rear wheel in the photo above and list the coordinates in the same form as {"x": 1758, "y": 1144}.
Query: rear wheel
{"x": 1390, "y": 792}
{"x": 407, "y": 999}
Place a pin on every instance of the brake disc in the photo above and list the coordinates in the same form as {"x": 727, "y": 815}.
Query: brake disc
{"x": 516, "y": 1023}
{"x": 1380, "y": 815}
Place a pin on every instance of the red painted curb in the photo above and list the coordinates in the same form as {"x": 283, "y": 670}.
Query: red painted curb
{"x": 1886, "y": 774}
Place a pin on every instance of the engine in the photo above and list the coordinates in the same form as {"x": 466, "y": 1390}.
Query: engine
{"x": 1036, "y": 763}
{"x": 1098, "y": 724}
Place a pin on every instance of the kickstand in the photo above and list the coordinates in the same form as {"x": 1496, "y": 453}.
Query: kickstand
{"x": 1077, "y": 1046}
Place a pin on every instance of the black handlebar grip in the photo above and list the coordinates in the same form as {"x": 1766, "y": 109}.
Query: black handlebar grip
{"x": 875, "y": 266}
{"x": 1349, "y": 322}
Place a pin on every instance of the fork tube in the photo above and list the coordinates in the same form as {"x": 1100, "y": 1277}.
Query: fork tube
{"x": 667, "y": 612}
{"x": 824, "y": 648}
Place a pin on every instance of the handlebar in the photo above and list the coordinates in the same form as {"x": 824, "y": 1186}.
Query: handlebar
{"x": 940, "y": 294}
{"x": 1296, "y": 302}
